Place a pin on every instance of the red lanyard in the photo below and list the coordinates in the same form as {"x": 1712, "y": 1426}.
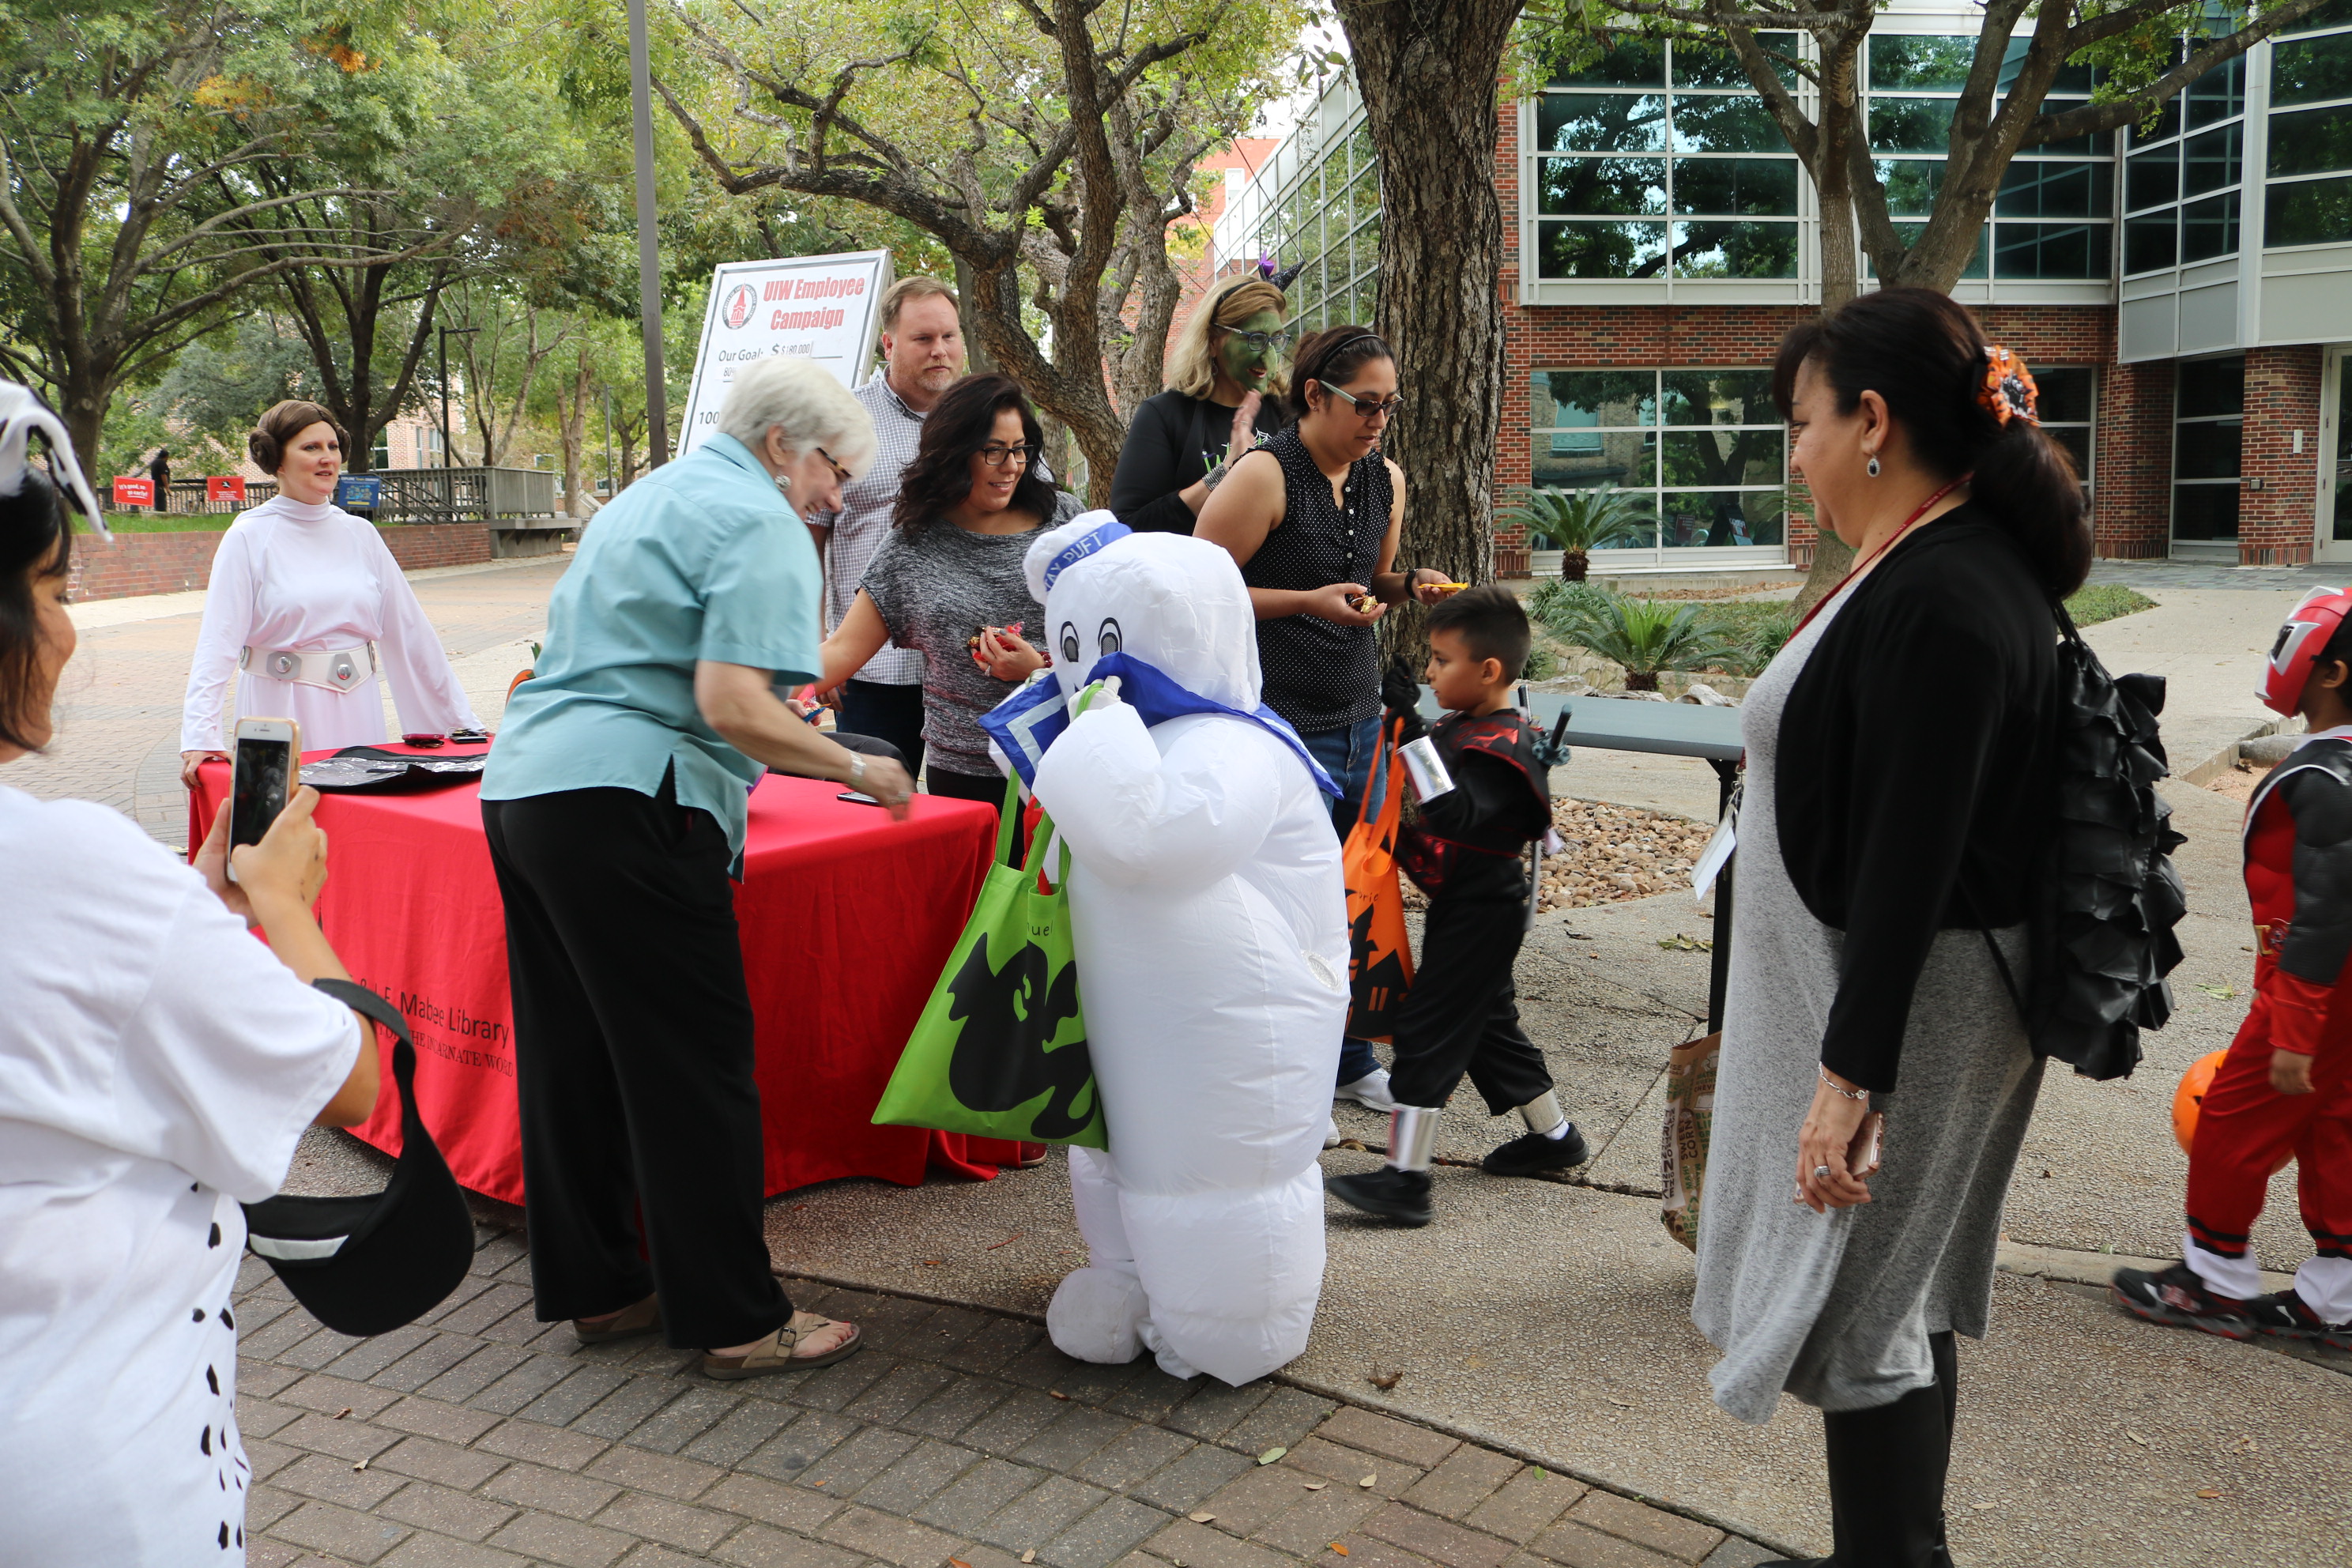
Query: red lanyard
{"x": 1864, "y": 565}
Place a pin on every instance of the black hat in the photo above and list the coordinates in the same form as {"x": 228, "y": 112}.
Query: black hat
{"x": 369, "y": 1265}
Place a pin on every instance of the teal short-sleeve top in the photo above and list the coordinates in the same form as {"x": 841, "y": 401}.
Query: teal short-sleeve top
{"x": 701, "y": 559}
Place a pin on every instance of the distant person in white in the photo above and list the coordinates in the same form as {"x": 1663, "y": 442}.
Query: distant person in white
{"x": 307, "y": 603}
{"x": 157, "y": 1065}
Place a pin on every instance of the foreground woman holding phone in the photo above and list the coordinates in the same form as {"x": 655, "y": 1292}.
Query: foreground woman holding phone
{"x": 157, "y": 1065}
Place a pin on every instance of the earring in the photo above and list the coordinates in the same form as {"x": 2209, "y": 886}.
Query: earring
{"x": 1872, "y": 469}
{"x": 785, "y": 482}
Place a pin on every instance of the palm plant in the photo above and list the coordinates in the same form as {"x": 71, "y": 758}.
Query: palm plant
{"x": 1578, "y": 522}
{"x": 1643, "y": 636}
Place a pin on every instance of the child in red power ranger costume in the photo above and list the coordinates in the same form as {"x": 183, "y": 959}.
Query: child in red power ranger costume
{"x": 2286, "y": 1087}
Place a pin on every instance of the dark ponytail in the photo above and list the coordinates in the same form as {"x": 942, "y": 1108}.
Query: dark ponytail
{"x": 35, "y": 543}
{"x": 1927, "y": 356}
{"x": 1330, "y": 357}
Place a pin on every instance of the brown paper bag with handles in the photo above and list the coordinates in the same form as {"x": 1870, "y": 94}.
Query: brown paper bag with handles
{"x": 1690, "y": 1119}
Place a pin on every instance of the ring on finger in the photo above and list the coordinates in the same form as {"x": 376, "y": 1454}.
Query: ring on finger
{"x": 1820, "y": 1173}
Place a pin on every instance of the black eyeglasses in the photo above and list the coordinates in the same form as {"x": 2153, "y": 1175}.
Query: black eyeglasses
{"x": 1262, "y": 342}
{"x": 1367, "y": 412}
{"x": 996, "y": 456}
{"x": 840, "y": 473}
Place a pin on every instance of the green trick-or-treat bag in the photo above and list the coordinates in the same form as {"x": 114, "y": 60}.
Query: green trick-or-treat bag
{"x": 1000, "y": 1048}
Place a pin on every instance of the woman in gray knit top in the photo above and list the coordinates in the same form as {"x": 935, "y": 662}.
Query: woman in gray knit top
{"x": 948, "y": 583}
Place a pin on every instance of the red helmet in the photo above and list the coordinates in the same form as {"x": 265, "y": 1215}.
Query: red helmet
{"x": 2308, "y": 629}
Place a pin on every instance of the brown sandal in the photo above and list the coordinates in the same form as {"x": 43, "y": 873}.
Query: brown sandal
{"x": 777, "y": 1353}
{"x": 644, "y": 1318}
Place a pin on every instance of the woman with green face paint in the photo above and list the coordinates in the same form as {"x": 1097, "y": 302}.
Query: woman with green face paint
{"x": 1224, "y": 385}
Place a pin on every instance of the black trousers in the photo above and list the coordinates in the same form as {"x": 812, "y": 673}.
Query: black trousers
{"x": 632, "y": 1063}
{"x": 1462, "y": 1015}
{"x": 1886, "y": 1470}
{"x": 892, "y": 713}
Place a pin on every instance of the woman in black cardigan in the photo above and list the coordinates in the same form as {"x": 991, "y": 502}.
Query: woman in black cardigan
{"x": 1898, "y": 799}
{"x": 1224, "y": 385}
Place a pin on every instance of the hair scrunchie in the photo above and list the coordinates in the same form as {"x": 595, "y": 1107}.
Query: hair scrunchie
{"x": 2008, "y": 391}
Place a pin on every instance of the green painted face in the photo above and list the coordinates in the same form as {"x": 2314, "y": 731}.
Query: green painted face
{"x": 1247, "y": 362}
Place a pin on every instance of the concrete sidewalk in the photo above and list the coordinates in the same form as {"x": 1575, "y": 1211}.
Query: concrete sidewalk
{"x": 1537, "y": 1321}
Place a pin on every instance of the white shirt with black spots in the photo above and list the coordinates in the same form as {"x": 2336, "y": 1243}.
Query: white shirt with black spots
{"x": 157, "y": 1065}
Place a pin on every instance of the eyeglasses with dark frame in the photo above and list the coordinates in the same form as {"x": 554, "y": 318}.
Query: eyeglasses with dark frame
{"x": 996, "y": 456}
{"x": 844, "y": 475}
{"x": 1262, "y": 342}
{"x": 1389, "y": 408}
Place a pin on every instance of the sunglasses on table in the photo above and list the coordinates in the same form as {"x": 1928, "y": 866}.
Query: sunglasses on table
{"x": 996, "y": 456}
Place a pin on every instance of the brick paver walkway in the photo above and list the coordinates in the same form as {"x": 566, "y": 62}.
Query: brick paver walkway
{"x": 957, "y": 1438}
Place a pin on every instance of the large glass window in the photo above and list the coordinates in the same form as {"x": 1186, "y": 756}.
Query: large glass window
{"x": 2067, "y": 396}
{"x": 1327, "y": 221}
{"x": 1703, "y": 454}
{"x": 1658, "y": 160}
{"x": 2051, "y": 215}
{"x": 2182, "y": 175}
{"x": 2307, "y": 195}
{"x": 2209, "y": 411}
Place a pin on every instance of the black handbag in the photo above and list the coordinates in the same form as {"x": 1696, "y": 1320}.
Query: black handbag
{"x": 2107, "y": 895}
{"x": 370, "y": 1264}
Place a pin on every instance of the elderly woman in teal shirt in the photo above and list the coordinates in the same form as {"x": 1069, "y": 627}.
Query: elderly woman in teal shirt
{"x": 616, "y": 804}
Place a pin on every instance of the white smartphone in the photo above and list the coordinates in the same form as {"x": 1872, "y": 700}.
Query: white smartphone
{"x": 262, "y": 774}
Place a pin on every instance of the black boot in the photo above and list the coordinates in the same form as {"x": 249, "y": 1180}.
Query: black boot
{"x": 1391, "y": 1194}
{"x": 1533, "y": 1155}
{"x": 1886, "y": 1470}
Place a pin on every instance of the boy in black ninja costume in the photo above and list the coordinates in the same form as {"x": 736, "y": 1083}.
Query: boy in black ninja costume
{"x": 1460, "y": 1015}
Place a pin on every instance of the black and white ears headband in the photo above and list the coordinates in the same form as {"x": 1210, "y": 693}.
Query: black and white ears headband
{"x": 22, "y": 413}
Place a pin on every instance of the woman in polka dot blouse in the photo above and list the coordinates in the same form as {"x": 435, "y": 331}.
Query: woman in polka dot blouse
{"x": 1312, "y": 517}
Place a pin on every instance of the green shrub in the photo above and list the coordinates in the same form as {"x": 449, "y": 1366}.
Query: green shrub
{"x": 1642, "y": 637}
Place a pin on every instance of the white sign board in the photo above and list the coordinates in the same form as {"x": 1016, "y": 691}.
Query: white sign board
{"x": 824, "y": 308}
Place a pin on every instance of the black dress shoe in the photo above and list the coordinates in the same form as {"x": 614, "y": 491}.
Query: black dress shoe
{"x": 1391, "y": 1194}
{"x": 1533, "y": 1155}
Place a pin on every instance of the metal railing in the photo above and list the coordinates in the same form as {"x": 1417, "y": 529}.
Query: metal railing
{"x": 187, "y": 498}
{"x": 499, "y": 497}
{"x": 510, "y": 498}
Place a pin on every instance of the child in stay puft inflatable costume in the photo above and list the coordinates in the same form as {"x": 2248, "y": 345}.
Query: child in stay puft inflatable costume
{"x": 1209, "y": 926}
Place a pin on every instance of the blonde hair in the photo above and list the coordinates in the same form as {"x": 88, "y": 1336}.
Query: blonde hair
{"x": 915, "y": 286}
{"x": 1192, "y": 362}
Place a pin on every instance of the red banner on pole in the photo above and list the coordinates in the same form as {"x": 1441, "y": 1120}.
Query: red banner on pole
{"x": 131, "y": 491}
{"x": 225, "y": 488}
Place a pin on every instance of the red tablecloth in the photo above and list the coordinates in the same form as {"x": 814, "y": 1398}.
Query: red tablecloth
{"x": 847, "y": 919}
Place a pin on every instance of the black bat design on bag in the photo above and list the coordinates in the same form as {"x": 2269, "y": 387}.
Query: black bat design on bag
{"x": 1008, "y": 1014}
{"x": 1376, "y": 989}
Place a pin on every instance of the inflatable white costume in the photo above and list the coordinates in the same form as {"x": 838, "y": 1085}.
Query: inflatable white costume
{"x": 1210, "y": 928}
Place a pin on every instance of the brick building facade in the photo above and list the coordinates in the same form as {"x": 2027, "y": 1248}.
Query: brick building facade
{"x": 2193, "y": 347}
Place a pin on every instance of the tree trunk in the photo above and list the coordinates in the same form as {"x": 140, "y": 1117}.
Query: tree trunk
{"x": 1833, "y": 176}
{"x": 977, "y": 358}
{"x": 571, "y": 430}
{"x": 1428, "y": 72}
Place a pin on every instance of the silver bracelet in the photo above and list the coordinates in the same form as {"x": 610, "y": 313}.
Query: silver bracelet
{"x": 856, "y": 770}
{"x": 1214, "y": 477}
{"x": 1833, "y": 1088}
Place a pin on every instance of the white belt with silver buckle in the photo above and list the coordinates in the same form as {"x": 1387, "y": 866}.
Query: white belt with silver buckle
{"x": 336, "y": 668}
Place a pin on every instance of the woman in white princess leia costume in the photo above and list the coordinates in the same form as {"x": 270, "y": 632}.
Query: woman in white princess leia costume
{"x": 306, "y": 602}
